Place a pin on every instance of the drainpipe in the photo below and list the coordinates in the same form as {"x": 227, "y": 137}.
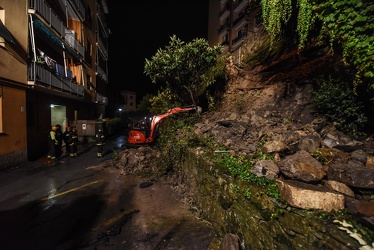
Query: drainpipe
{"x": 83, "y": 79}
{"x": 63, "y": 53}
{"x": 66, "y": 14}
{"x": 32, "y": 36}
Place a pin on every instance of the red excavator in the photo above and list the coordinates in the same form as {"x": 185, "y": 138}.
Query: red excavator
{"x": 145, "y": 130}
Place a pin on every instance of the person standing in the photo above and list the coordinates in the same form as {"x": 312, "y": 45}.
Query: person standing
{"x": 66, "y": 138}
{"x": 52, "y": 143}
{"x": 73, "y": 141}
{"x": 59, "y": 140}
{"x": 100, "y": 141}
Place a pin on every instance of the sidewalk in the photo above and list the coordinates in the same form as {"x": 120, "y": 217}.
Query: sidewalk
{"x": 114, "y": 142}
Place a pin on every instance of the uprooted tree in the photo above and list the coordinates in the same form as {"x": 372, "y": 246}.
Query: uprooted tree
{"x": 187, "y": 69}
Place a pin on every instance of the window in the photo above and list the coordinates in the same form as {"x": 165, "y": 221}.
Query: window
{"x": 2, "y": 40}
{"x": 89, "y": 82}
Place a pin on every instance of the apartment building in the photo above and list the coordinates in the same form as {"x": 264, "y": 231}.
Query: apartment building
{"x": 129, "y": 100}
{"x": 53, "y": 70}
{"x": 231, "y": 22}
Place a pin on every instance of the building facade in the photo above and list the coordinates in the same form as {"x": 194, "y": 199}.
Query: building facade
{"x": 129, "y": 98}
{"x": 53, "y": 56}
{"x": 231, "y": 22}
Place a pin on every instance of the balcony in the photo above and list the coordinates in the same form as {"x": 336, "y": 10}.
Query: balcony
{"x": 102, "y": 73}
{"x": 44, "y": 77}
{"x": 52, "y": 24}
{"x": 101, "y": 17}
{"x": 102, "y": 47}
{"x": 240, "y": 22}
{"x": 224, "y": 14}
{"x": 240, "y": 6}
{"x": 223, "y": 29}
{"x": 223, "y": 2}
{"x": 101, "y": 99}
{"x": 239, "y": 39}
{"x": 42, "y": 8}
{"x": 78, "y": 7}
{"x": 73, "y": 42}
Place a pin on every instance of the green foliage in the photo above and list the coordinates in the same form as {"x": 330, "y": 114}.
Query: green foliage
{"x": 163, "y": 101}
{"x": 113, "y": 126}
{"x": 240, "y": 166}
{"x": 145, "y": 104}
{"x": 186, "y": 68}
{"x": 347, "y": 24}
{"x": 275, "y": 14}
{"x": 304, "y": 21}
{"x": 259, "y": 49}
{"x": 171, "y": 143}
{"x": 350, "y": 24}
{"x": 319, "y": 157}
{"x": 336, "y": 101}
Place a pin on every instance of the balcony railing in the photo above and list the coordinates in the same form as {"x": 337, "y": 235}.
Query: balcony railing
{"x": 102, "y": 73}
{"x": 102, "y": 47}
{"x": 42, "y": 76}
{"x": 240, "y": 5}
{"x": 240, "y": 20}
{"x": 101, "y": 99}
{"x": 224, "y": 28}
{"x": 240, "y": 37}
{"x": 42, "y": 8}
{"x": 73, "y": 42}
{"x": 46, "y": 12}
{"x": 79, "y": 7}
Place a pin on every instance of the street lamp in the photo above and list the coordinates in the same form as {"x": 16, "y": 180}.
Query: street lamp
{"x": 120, "y": 113}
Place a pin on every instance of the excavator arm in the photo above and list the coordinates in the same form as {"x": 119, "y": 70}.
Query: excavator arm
{"x": 147, "y": 135}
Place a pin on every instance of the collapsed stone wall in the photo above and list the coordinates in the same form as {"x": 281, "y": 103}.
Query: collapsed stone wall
{"x": 259, "y": 221}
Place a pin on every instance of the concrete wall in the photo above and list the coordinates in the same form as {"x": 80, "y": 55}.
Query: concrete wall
{"x": 13, "y": 138}
{"x": 13, "y": 80}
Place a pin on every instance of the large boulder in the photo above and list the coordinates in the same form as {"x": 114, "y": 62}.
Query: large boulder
{"x": 303, "y": 167}
{"x": 307, "y": 196}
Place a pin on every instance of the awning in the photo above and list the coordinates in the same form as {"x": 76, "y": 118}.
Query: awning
{"x": 4, "y": 33}
{"x": 55, "y": 39}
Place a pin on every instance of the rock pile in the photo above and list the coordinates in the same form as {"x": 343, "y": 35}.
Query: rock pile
{"x": 315, "y": 165}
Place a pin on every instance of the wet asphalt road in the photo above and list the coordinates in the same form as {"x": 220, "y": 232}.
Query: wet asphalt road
{"x": 79, "y": 203}
{"x": 56, "y": 206}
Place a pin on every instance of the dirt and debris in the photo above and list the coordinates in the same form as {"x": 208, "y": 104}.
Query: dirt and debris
{"x": 266, "y": 103}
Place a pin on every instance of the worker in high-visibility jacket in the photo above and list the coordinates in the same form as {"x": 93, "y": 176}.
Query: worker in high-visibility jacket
{"x": 73, "y": 141}
{"x": 52, "y": 143}
{"x": 100, "y": 141}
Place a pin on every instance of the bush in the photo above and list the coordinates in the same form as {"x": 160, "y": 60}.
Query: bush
{"x": 113, "y": 126}
{"x": 336, "y": 101}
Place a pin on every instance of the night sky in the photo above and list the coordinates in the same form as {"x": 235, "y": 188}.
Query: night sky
{"x": 140, "y": 28}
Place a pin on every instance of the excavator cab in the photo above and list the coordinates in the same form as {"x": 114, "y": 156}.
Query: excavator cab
{"x": 145, "y": 130}
{"x": 141, "y": 129}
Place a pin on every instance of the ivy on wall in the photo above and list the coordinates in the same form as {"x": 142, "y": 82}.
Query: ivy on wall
{"x": 348, "y": 24}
